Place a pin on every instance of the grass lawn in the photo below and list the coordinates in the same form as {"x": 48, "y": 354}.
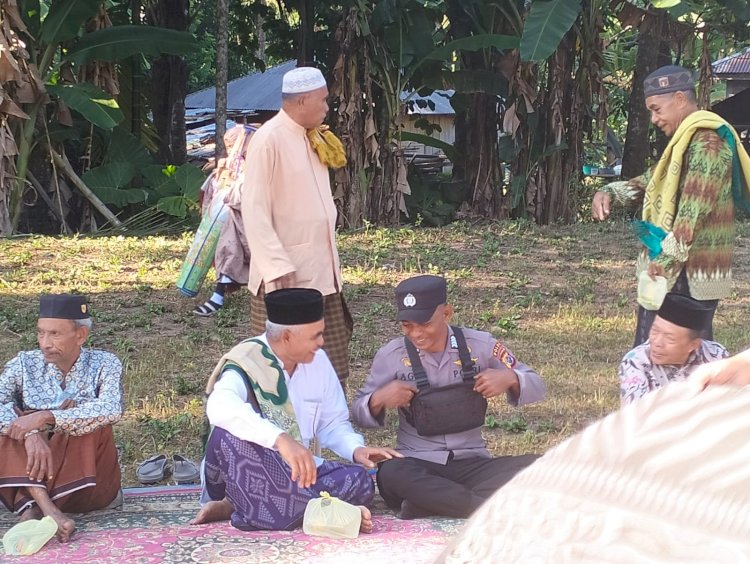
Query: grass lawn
{"x": 562, "y": 297}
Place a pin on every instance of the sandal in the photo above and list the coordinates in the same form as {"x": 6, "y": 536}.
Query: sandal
{"x": 152, "y": 469}
{"x": 208, "y": 309}
{"x": 184, "y": 471}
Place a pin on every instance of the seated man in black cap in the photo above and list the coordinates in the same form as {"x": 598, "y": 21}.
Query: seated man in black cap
{"x": 673, "y": 350}
{"x": 57, "y": 407}
{"x": 439, "y": 377}
{"x": 688, "y": 198}
{"x": 272, "y": 400}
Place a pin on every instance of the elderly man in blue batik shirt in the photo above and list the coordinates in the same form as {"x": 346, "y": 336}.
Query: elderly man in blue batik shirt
{"x": 57, "y": 407}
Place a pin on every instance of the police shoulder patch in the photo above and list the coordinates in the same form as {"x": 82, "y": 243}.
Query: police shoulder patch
{"x": 503, "y": 355}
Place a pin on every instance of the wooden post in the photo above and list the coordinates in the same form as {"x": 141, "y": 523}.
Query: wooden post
{"x": 64, "y": 165}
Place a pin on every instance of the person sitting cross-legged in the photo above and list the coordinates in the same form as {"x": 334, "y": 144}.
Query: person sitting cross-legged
{"x": 673, "y": 350}
{"x": 57, "y": 408}
{"x": 447, "y": 469}
{"x": 272, "y": 397}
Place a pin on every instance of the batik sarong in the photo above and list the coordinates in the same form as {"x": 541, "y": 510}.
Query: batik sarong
{"x": 86, "y": 475}
{"x": 258, "y": 484}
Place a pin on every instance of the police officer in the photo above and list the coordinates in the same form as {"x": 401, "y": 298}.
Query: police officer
{"x": 449, "y": 474}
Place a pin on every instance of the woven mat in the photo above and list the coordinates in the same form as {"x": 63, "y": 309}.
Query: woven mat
{"x": 152, "y": 527}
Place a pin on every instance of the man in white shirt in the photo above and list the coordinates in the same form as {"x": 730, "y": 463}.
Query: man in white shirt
{"x": 274, "y": 399}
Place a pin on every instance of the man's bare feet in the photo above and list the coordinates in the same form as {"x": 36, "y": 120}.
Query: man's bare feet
{"x": 213, "y": 511}
{"x": 366, "y": 525}
{"x": 65, "y": 525}
{"x": 32, "y": 512}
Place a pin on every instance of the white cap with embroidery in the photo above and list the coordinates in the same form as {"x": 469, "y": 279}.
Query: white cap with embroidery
{"x": 302, "y": 79}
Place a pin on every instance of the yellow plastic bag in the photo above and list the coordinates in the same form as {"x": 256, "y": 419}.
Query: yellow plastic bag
{"x": 327, "y": 516}
{"x": 28, "y": 537}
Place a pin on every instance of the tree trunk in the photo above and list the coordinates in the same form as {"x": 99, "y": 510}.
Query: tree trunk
{"x": 477, "y": 127}
{"x": 647, "y": 60}
{"x": 559, "y": 112}
{"x": 222, "y": 63}
{"x": 169, "y": 85}
{"x": 260, "y": 33}
{"x": 306, "y": 52}
{"x": 371, "y": 186}
{"x": 136, "y": 79}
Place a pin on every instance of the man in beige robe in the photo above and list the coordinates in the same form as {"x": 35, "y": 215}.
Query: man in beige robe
{"x": 289, "y": 214}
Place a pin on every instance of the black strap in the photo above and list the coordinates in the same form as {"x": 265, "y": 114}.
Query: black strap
{"x": 467, "y": 365}
{"x": 420, "y": 376}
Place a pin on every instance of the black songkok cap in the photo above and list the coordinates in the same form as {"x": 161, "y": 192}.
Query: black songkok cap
{"x": 417, "y": 297}
{"x": 670, "y": 78}
{"x": 63, "y": 306}
{"x": 685, "y": 312}
{"x": 294, "y": 306}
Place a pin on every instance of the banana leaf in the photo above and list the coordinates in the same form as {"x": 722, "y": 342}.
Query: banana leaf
{"x": 548, "y": 21}
{"x": 92, "y": 103}
{"x": 123, "y": 41}
{"x": 65, "y": 18}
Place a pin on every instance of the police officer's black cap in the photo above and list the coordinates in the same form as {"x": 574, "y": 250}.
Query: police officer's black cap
{"x": 63, "y": 306}
{"x": 294, "y": 306}
{"x": 667, "y": 79}
{"x": 685, "y": 312}
{"x": 417, "y": 297}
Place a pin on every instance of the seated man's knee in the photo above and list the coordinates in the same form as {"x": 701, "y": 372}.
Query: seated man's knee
{"x": 392, "y": 468}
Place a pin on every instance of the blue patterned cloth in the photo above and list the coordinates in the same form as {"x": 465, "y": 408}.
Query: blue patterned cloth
{"x": 258, "y": 483}
{"x": 94, "y": 383}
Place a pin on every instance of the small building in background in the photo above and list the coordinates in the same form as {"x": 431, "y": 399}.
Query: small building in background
{"x": 735, "y": 71}
{"x": 256, "y": 97}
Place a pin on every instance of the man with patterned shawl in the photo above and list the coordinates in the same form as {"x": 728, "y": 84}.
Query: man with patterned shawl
{"x": 57, "y": 407}
{"x": 272, "y": 400}
{"x": 688, "y": 197}
{"x": 288, "y": 209}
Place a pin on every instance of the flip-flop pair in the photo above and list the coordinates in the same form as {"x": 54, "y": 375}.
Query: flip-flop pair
{"x": 154, "y": 469}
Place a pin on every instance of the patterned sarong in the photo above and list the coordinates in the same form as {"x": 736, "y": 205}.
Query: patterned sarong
{"x": 86, "y": 474}
{"x": 337, "y": 333}
{"x": 257, "y": 482}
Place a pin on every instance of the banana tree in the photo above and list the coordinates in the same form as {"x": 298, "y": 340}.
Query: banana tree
{"x": 50, "y": 46}
{"x": 389, "y": 52}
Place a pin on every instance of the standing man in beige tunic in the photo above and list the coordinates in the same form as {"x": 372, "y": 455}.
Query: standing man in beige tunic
{"x": 289, "y": 213}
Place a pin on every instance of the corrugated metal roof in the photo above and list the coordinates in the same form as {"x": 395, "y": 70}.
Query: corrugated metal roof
{"x": 260, "y": 91}
{"x": 437, "y": 103}
{"x": 739, "y": 63}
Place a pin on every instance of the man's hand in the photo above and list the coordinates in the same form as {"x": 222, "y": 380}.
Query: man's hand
{"x": 495, "y": 381}
{"x": 600, "y": 206}
{"x": 286, "y": 281}
{"x": 299, "y": 459}
{"x": 734, "y": 371}
{"x": 39, "y": 462}
{"x": 655, "y": 269}
{"x": 394, "y": 394}
{"x": 37, "y": 420}
{"x": 370, "y": 456}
